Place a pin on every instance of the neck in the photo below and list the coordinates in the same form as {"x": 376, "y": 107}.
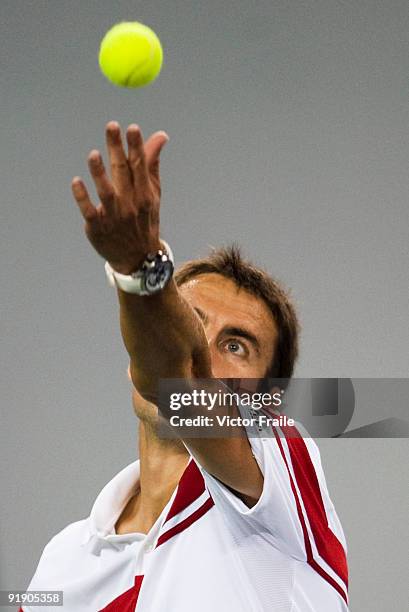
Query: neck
{"x": 162, "y": 463}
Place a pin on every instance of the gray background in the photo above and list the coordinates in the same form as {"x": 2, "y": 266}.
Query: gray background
{"x": 289, "y": 133}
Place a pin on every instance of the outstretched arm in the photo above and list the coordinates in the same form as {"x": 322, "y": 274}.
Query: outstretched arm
{"x": 162, "y": 334}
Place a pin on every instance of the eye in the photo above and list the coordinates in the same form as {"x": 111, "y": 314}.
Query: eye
{"x": 236, "y": 347}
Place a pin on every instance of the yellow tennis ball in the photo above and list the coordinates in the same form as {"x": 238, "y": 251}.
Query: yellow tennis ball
{"x": 130, "y": 54}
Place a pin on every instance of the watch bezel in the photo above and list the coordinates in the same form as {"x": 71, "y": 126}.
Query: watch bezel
{"x": 163, "y": 273}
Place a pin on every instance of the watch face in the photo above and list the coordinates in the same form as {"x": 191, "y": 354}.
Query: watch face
{"x": 158, "y": 276}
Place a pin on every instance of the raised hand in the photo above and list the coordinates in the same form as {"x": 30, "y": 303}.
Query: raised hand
{"x": 124, "y": 226}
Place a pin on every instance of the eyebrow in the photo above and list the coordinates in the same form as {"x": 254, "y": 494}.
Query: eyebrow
{"x": 233, "y": 330}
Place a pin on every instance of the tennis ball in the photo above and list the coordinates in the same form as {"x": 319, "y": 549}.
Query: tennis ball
{"x": 130, "y": 54}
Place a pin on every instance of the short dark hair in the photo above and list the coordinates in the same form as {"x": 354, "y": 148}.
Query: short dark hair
{"x": 229, "y": 262}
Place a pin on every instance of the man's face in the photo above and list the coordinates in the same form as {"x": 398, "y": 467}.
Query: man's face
{"x": 240, "y": 329}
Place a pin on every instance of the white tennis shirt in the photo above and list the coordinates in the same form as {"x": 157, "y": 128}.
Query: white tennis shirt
{"x": 208, "y": 551}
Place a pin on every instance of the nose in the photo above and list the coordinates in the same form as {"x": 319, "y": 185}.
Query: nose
{"x": 219, "y": 367}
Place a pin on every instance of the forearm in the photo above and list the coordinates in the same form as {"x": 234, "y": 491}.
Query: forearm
{"x": 163, "y": 337}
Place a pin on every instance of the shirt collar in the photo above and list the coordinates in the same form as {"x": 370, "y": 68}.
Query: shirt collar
{"x": 107, "y": 508}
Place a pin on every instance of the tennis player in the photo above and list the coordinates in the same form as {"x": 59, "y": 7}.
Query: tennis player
{"x": 234, "y": 524}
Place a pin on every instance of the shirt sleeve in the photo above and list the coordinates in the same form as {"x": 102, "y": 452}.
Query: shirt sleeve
{"x": 56, "y": 556}
{"x": 294, "y": 510}
{"x": 31, "y": 586}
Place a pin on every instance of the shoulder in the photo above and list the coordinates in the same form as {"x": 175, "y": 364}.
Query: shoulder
{"x": 64, "y": 547}
{"x": 73, "y": 533}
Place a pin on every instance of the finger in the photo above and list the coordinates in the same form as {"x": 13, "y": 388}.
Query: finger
{"x": 80, "y": 193}
{"x": 103, "y": 185}
{"x": 136, "y": 155}
{"x": 153, "y": 148}
{"x": 120, "y": 171}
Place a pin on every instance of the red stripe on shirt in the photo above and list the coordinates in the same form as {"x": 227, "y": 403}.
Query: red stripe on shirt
{"x": 186, "y": 522}
{"x": 190, "y": 487}
{"x": 328, "y": 533}
{"x": 126, "y": 602}
{"x": 328, "y": 545}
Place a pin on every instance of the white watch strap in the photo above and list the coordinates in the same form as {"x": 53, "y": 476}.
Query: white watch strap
{"x": 132, "y": 283}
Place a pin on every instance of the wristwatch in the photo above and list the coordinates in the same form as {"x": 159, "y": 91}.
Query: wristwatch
{"x": 153, "y": 276}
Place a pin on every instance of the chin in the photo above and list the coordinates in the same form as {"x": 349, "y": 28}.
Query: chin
{"x": 144, "y": 410}
{"x": 148, "y": 414}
